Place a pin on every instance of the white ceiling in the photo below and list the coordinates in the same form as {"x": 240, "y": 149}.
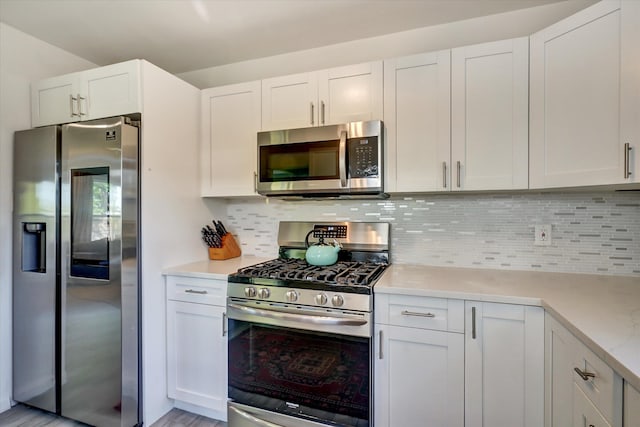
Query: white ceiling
{"x": 187, "y": 35}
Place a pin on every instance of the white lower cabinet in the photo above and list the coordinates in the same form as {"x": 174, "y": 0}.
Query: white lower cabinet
{"x": 419, "y": 371}
{"x": 443, "y": 363}
{"x": 197, "y": 344}
{"x": 585, "y": 413}
{"x": 631, "y": 406}
{"x": 504, "y": 365}
{"x": 582, "y": 390}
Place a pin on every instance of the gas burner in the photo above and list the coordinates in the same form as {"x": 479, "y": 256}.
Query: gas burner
{"x": 351, "y": 273}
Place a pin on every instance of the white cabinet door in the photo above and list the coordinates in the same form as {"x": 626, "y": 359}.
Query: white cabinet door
{"x": 419, "y": 377}
{"x": 110, "y": 91}
{"x": 93, "y": 94}
{"x": 417, "y": 93}
{"x": 350, "y": 94}
{"x": 290, "y": 102}
{"x": 197, "y": 354}
{"x": 337, "y": 95}
{"x": 584, "y": 97}
{"x": 560, "y": 349}
{"x": 585, "y": 414}
{"x": 504, "y": 365}
{"x": 230, "y": 122}
{"x": 490, "y": 115}
{"x": 54, "y": 100}
{"x": 631, "y": 415}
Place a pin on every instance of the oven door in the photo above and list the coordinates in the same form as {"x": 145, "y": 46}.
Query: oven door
{"x": 292, "y": 366}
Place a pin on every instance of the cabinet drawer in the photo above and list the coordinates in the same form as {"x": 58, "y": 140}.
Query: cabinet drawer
{"x": 438, "y": 314}
{"x": 598, "y": 382}
{"x": 192, "y": 289}
{"x": 584, "y": 412}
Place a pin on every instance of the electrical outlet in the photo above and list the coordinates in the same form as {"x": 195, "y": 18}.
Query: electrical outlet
{"x": 542, "y": 235}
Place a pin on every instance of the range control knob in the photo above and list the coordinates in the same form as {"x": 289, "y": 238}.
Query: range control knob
{"x": 337, "y": 300}
{"x": 263, "y": 293}
{"x": 291, "y": 296}
{"x": 321, "y": 299}
{"x": 250, "y": 292}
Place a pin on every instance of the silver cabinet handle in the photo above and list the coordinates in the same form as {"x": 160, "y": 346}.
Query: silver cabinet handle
{"x": 253, "y": 419}
{"x": 80, "y": 99}
{"x": 627, "y": 160}
{"x": 415, "y": 313}
{"x": 380, "y": 344}
{"x": 458, "y": 167}
{"x": 473, "y": 323}
{"x": 321, "y": 112}
{"x": 343, "y": 158}
{"x": 72, "y": 101}
{"x": 255, "y": 182}
{"x": 444, "y": 174}
{"x": 311, "y": 113}
{"x": 224, "y": 324}
{"x": 193, "y": 291}
{"x": 584, "y": 374}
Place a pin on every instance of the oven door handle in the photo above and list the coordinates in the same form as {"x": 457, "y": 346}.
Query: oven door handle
{"x": 255, "y": 420}
{"x": 303, "y": 318}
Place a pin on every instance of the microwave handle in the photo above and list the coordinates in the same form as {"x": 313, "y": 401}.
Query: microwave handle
{"x": 343, "y": 158}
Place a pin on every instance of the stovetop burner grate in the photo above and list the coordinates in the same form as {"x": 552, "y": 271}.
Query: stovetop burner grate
{"x": 352, "y": 273}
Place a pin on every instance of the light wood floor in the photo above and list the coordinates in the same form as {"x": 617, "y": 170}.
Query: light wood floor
{"x": 24, "y": 416}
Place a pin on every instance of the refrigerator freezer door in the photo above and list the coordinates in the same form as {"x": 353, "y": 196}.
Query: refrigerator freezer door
{"x": 34, "y": 266}
{"x": 99, "y": 272}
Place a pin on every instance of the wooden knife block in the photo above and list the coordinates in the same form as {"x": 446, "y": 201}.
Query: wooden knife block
{"x": 229, "y": 249}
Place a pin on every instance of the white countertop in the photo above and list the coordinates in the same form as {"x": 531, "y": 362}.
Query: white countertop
{"x": 209, "y": 269}
{"x": 602, "y": 311}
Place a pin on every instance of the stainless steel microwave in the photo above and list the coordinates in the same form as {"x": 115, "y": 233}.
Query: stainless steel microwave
{"x": 337, "y": 160}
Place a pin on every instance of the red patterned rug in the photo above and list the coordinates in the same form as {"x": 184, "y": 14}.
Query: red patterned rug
{"x": 320, "y": 372}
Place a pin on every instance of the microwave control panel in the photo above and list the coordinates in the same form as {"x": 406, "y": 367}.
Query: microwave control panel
{"x": 363, "y": 157}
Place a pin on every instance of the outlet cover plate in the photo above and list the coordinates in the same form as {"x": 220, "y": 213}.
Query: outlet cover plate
{"x": 542, "y": 235}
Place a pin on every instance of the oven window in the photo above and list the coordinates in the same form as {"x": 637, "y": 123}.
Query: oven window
{"x": 300, "y": 373}
{"x": 300, "y": 161}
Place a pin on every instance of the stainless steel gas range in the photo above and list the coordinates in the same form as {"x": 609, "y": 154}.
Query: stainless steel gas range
{"x": 300, "y": 335}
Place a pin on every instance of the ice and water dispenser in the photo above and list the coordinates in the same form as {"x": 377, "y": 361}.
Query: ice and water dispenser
{"x": 34, "y": 247}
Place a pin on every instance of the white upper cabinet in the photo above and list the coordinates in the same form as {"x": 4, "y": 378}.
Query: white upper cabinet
{"x": 418, "y": 121}
{"x": 87, "y": 95}
{"x": 337, "y": 95}
{"x": 489, "y": 115}
{"x": 290, "y": 102}
{"x": 230, "y": 123}
{"x": 458, "y": 120}
{"x": 585, "y": 98}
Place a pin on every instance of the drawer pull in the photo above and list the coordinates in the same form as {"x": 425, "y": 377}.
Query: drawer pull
{"x": 414, "y": 313}
{"x": 193, "y": 291}
{"x": 584, "y": 374}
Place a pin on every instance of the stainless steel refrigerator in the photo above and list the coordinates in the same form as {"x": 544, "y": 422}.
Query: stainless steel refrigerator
{"x": 76, "y": 279}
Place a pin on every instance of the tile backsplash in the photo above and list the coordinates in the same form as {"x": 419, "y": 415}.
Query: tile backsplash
{"x": 591, "y": 232}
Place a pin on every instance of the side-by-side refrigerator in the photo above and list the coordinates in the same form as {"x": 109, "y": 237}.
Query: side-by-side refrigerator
{"x": 75, "y": 271}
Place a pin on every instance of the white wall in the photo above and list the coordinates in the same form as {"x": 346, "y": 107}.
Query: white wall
{"x": 22, "y": 59}
{"x": 172, "y": 214}
{"x": 495, "y": 27}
